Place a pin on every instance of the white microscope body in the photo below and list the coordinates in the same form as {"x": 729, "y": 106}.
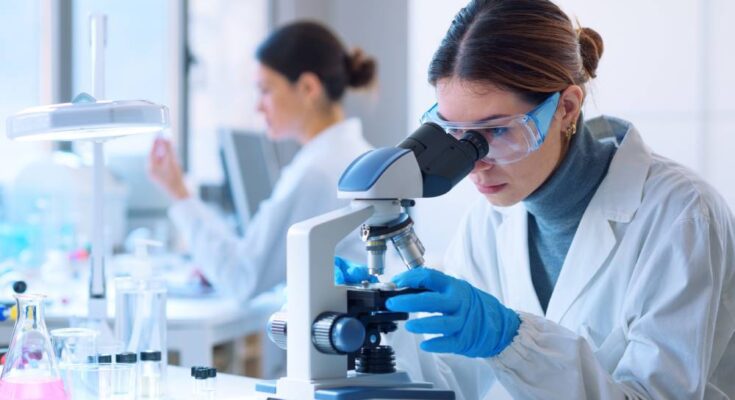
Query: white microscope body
{"x": 320, "y": 329}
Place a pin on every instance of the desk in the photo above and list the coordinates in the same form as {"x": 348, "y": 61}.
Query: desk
{"x": 229, "y": 387}
{"x": 194, "y": 326}
{"x": 180, "y": 385}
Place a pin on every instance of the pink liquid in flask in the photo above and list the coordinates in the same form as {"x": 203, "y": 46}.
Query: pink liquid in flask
{"x": 32, "y": 389}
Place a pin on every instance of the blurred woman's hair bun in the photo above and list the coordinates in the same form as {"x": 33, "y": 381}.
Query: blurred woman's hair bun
{"x": 360, "y": 69}
{"x": 590, "y": 48}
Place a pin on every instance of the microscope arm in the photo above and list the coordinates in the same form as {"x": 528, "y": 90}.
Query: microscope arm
{"x": 310, "y": 252}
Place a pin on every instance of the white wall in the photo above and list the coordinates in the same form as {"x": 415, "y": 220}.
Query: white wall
{"x": 223, "y": 36}
{"x": 667, "y": 67}
{"x": 379, "y": 28}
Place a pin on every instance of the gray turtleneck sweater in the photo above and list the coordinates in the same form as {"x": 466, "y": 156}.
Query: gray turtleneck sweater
{"x": 555, "y": 208}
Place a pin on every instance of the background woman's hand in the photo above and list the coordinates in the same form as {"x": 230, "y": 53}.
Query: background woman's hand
{"x": 164, "y": 169}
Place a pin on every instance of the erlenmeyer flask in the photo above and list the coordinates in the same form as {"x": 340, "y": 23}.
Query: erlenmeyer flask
{"x": 30, "y": 371}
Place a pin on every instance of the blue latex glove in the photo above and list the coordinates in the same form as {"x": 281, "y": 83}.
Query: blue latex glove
{"x": 349, "y": 273}
{"x": 472, "y": 322}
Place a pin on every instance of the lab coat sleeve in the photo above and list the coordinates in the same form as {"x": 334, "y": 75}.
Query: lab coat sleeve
{"x": 668, "y": 321}
{"x": 243, "y": 267}
{"x": 469, "y": 378}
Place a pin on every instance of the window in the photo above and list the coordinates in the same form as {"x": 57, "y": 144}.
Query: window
{"x": 20, "y": 58}
{"x": 137, "y": 58}
{"x": 223, "y": 35}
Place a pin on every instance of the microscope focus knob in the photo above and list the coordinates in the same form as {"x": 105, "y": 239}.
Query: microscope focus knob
{"x": 277, "y": 329}
{"x": 335, "y": 333}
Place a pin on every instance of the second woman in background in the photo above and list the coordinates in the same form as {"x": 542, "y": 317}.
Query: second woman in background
{"x": 303, "y": 74}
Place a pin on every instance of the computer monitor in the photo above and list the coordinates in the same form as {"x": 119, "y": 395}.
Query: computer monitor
{"x": 251, "y": 169}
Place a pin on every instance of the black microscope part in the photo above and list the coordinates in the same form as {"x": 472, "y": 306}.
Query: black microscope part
{"x": 368, "y": 306}
{"x": 443, "y": 159}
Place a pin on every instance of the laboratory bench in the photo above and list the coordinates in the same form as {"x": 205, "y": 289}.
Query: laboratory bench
{"x": 194, "y": 325}
{"x": 180, "y": 386}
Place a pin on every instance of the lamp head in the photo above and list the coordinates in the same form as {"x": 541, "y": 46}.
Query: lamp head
{"x": 85, "y": 118}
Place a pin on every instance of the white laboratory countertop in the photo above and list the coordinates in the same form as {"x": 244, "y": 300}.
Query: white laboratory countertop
{"x": 180, "y": 386}
{"x": 229, "y": 387}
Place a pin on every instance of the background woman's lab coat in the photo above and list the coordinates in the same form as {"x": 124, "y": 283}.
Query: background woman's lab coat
{"x": 644, "y": 306}
{"x": 244, "y": 267}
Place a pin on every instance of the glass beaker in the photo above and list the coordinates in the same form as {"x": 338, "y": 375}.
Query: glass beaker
{"x": 76, "y": 352}
{"x": 30, "y": 371}
{"x": 74, "y": 345}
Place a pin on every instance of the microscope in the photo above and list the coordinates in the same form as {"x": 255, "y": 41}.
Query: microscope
{"x": 333, "y": 332}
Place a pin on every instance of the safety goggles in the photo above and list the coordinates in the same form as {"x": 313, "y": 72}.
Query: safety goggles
{"x": 510, "y": 138}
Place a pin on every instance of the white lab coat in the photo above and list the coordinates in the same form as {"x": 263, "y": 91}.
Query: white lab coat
{"x": 244, "y": 267}
{"x": 644, "y": 306}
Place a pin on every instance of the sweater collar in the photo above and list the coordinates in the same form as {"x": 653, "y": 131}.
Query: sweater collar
{"x": 562, "y": 199}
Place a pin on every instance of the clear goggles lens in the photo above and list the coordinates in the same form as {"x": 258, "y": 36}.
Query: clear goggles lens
{"x": 511, "y": 138}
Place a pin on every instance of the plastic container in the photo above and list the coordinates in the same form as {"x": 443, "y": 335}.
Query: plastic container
{"x": 124, "y": 376}
{"x": 150, "y": 370}
{"x": 31, "y": 371}
{"x": 140, "y": 315}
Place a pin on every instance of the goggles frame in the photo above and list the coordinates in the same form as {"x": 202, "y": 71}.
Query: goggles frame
{"x": 536, "y": 125}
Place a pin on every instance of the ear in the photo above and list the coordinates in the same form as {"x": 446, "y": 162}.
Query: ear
{"x": 310, "y": 87}
{"x": 570, "y": 105}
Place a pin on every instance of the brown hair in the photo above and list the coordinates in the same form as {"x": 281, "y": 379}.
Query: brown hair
{"x": 310, "y": 47}
{"x": 527, "y": 46}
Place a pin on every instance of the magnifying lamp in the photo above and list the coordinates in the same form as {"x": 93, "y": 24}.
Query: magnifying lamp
{"x": 90, "y": 118}
{"x": 87, "y": 118}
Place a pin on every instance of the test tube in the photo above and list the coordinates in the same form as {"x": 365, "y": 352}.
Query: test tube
{"x": 124, "y": 373}
{"x": 150, "y": 374}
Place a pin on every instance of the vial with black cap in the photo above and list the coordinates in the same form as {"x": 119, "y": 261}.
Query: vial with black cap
{"x": 201, "y": 375}
{"x": 210, "y": 385}
{"x": 150, "y": 373}
{"x": 104, "y": 363}
{"x": 124, "y": 376}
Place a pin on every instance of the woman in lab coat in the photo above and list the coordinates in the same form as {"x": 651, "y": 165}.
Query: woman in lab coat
{"x": 593, "y": 268}
{"x": 303, "y": 73}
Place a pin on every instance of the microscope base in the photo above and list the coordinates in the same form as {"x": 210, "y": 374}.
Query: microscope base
{"x": 355, "y": 387}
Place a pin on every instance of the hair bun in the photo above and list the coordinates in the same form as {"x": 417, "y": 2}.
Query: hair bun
{"x": 590, "y": 48}
{"x": 360, "y": 68}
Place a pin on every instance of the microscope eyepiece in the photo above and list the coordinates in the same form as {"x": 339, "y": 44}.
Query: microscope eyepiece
{"x": 444, "y": 160}
{"x": 475, "y": 141}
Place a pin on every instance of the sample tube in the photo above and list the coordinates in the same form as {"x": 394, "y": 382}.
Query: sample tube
{"x": 194, "y": 381}
{"x": 200, "y": 384}
{"x": 104, "y": 362}
{"x": 150, "y": 375}
{"x": 211, "y": 383}
{"x": 124, "y": 373}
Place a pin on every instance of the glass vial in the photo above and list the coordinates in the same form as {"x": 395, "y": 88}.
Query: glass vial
{"x": 104, "y": 361}
{"x": 124, "y": 377}
{"x": 200, "y": 383}
{"x": 211, "y": 383}
{"x": 150, "y": 373}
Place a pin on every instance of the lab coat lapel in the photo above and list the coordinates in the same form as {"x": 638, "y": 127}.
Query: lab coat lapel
{"x": 584, "y": 259}
{"x": 519, "y": 293}
{"x": 616, "y": 200}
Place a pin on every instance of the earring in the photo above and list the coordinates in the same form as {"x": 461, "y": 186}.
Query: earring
{"x": 571, "y": 130}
